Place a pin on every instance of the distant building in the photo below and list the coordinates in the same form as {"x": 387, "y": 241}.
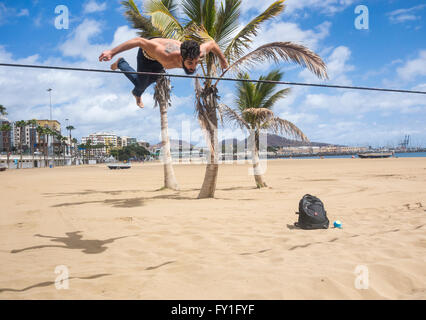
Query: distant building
{"x": 5, "y": 136}
{"x": 143, "y": 144}
{"x": 127, "y": 141}
{"x": 25, "y": 137}
{"x": 53, "y": 125}
{"x": 109, "y": 140}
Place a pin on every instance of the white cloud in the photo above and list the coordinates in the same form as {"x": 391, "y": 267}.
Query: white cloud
{"x": 23, "y": 13}
{"x": 92, "y": 6}
{"x": 328, "y": 7}
{"x": 8, "y": 12}
{"x": 413, "y": 68}
{"x": 80, "y": 43}
{"x": 292, "y": 32}
{"x": 404, "y": 15}
{"x": 337, "y": 67}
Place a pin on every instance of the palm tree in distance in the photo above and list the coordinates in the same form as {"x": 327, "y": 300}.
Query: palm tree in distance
{"x": 21, "y": 126}
{"x": 42, "y": 137}
{"x": 7, "y": 128}
{"x": 3, "y": 110}
{"x": 210, "y": 21}
{"x": 33, "y": 126}
{"x": 162, "y": 87}
{"x": 70, "y": 129}
{"x": 254, "y": 113}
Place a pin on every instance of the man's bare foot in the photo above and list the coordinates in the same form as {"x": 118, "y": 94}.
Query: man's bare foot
{"x": 139, "y": 102}
{"x": 114, "y": 66}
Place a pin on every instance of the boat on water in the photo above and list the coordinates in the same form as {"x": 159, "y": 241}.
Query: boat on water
{"x": 375, "y": 155}
{"x": 119, "y": 166}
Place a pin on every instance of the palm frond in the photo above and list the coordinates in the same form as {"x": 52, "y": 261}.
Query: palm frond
{"x": 162, "y": 92}
{"x": 264, "y": 90}
{"x": 172, "y": 6}
{"x": 138, "y": 21}
{"x": 280, "y": 126}
{"x": 197, "y": 33}
{"x": 193, "y": 9}
{"x": 243, "y": 39}
{"x": 275, "y": 97}
{"x": 206, "y": 105}
{"x": 287, "y": 51}
{"x": 230, "y": 115}
{"x": 227, "y": 22}
{"x": 259, "y": 114}
{"x": 163, "y": 20}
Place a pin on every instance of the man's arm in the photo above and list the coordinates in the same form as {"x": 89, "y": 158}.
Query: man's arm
{"x": 211, "y": 46}
{"x": 133, "y": 43}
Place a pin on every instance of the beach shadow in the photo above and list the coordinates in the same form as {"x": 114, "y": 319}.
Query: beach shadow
{"x": 89, "y": 192}
{"x": 159, "y": 266}
{"x": 175, "y": 196}
{"x": 49, "y": 283}
{"x": 292, "y": 227}
{"x": 237, "y": 188}
{"x": 116, "y": 203}
{"x": 251, "y": 253}
{"x": 74, "y": 241}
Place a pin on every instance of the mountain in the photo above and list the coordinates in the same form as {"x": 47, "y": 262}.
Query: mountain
{"x": 273, "y": 141}
{"x": 277, "y": 141}
{"x": 175, "y": 145}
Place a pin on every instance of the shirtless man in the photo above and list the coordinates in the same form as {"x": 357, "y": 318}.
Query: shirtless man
{"x": 157, "y": 54}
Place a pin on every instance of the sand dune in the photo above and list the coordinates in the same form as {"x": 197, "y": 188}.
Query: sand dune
{"x": 120, "y": 238}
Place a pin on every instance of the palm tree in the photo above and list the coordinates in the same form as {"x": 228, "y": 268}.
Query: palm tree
{"x": 70, "y": 128}
{"x": 220, "y": 23}
{"x": 254, "y": 113}
{"x": 3, "y": 110}
{"x": 41, "y": 133}
{"x": 21, "y": 125}
{"x": 162, "y": 87}
{"x": 73, "y": 145}
{"x": 33, "y": 125}
{"x": 88, "y": 149}
{"x": 7, "y": 128}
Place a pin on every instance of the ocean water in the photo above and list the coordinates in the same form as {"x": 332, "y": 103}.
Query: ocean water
{"x": 398, "y": 155}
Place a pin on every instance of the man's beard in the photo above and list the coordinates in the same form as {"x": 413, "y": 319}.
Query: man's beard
{"x": 187, "y": 71}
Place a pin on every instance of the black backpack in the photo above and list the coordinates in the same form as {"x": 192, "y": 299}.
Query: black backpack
{"x": 312, "y": 214}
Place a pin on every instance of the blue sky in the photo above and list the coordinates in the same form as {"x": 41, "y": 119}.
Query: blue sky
{"x": 391, "y": 53}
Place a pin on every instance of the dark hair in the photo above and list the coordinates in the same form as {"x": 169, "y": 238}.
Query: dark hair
{"x": 189, "y": 50}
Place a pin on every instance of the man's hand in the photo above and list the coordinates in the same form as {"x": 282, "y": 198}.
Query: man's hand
{"x": 106, "y": 55}
{"x": 224, "y": 64}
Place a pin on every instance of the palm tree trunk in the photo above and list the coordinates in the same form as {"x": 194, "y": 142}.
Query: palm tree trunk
{"x": 169, "y": 174}
{"x": 210, "y": 178}
{"x": 162, "y": 100}
{"x": 257, "y": 171}
{"x": 8, "y": 157}
{"x": 210, "y": 121}
{"x": 46, "y": 146}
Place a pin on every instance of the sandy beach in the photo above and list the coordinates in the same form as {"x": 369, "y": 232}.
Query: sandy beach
{"x": 119, "y": 237}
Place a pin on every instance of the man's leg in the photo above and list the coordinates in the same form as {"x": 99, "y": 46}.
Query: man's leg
{"x": 137, "y": 91}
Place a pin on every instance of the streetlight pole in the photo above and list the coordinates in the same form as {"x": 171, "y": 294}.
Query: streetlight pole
{"x": 68, "y": 124}
{"x": 50, "y": 94}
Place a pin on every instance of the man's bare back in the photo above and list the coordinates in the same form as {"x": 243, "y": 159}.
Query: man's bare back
{"x": 167, "y": 54}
